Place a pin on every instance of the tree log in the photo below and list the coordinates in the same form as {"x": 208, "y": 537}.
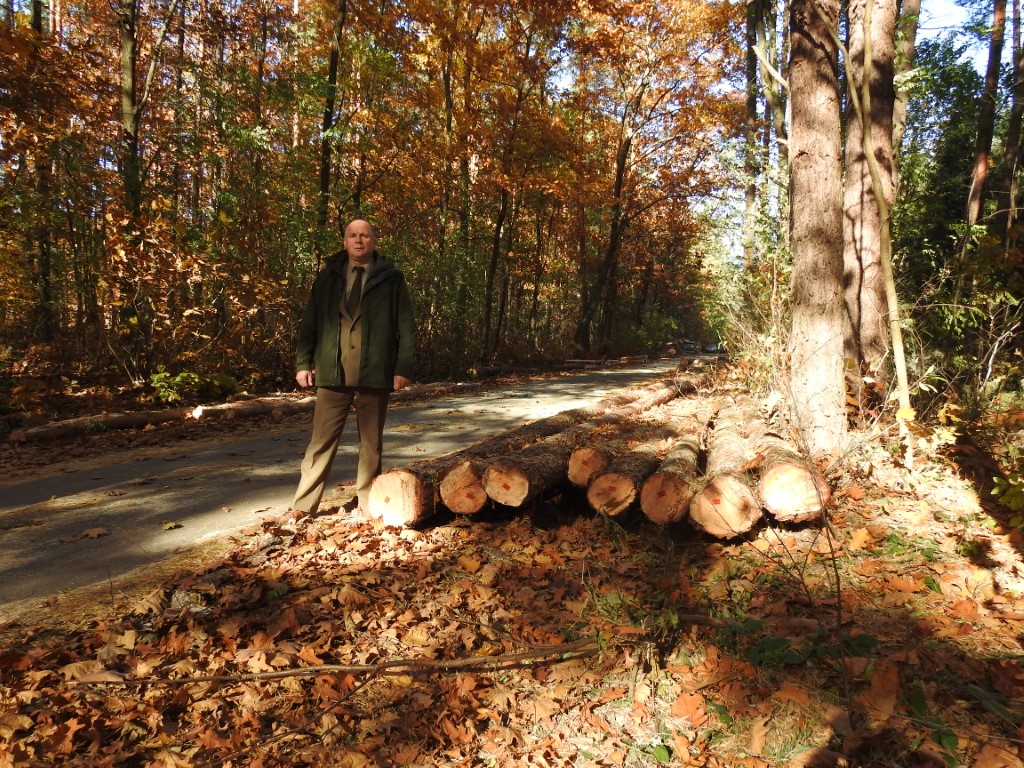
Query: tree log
{"x": 523, "y": 475}
{"x": 665, "y": 496}
{"x": 614, "y": 490}
{"x": 462, "y": 489}
{"x": 726, "y": 505}
{"x": 588, "y": 461}
{"x": 406, "y": 496}
{"x": 790, "y": 487}
{"x": 533, "y": 470}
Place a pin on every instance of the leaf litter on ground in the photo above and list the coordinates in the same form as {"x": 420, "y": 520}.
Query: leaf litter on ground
{"x": 553, "y": 637}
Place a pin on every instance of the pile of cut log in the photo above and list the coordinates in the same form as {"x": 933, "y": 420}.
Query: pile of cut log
{"x": 711, "y": 461}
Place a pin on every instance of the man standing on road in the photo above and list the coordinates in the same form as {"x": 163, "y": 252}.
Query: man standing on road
{"x": 356, "y": 344}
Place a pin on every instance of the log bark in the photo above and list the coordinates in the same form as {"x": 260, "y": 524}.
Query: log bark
{"x": 614, "y": 490}
{"x": 789, "y": 486}
{"x": 407, "y": 496}
{"x": 725, "y": 506}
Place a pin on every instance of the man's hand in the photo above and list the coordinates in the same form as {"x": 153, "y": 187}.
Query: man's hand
{"x": 304, "y": 378}
{"x": 401, "y": 382}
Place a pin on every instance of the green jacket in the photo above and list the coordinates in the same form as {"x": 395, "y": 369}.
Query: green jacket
{"x": 388, "y": 330}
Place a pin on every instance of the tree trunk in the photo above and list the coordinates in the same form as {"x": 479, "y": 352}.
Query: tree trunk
{"x": 816, "y": 343}
{"x": 537, "y": 469}
{"x": 1006, "y": 197}
{"x": 614, "y": 490}
{"x": 528, "y": 473}
{"x": 910, "y": 12}
{"x": 665, "y": 496}
{"x": 326, "y": 136}
{"x": 868, "y": 339}
{"x": 986, "y": 120}
{"x": 724, "y": 505}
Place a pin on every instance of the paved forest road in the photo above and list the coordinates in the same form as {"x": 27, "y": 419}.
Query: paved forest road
{"x": 88, "y": 527}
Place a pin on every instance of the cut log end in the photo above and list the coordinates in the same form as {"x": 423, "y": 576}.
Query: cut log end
{"x": 725, "y": 508}
{"x": 611, "y": 493}
{"x": 792, "y": 493}
{"x": 665, "y": 498}
{"x": 506, "y": 484}
{"x": 586, "y": 463}
{"x": 401, "y": 498}
{"x": 461, "y": 488}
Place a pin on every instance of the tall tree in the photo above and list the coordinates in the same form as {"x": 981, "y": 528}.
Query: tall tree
{"x": 868, "y": 342}
{"x": 1006, "y": 194}
{"x": 816, "y": 342}
{"x": 986, "y": 119}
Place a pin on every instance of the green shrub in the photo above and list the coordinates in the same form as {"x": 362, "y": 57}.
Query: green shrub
{"x": 188, "y": 385}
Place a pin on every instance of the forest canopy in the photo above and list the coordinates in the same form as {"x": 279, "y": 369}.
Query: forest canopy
{"x": 172, "y": 174}
{"x": 812, "y": 183}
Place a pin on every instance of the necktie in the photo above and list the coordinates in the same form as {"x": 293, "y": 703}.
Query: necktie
{"x": 352, "y": 304}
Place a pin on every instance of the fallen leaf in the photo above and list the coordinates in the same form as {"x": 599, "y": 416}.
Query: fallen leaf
{"x": 758, "y": 735}
{"x": 88, "y": 533}
{"x": 795, "y": 693}
{"x": 11, "y": 722}
{"x": 692, "y": 707}
{"x": 859, "y": 540}
{"x": 965, "y": 609}
{"x": 994, "y": 755}
{"x": 880, "y": 699}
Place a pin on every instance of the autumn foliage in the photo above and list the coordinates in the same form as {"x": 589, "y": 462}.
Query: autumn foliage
{"x": 173, "y": 173}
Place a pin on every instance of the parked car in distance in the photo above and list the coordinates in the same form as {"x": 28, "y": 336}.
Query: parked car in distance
{"x": 715, "y": 347}
{"x": 690, "y": 346}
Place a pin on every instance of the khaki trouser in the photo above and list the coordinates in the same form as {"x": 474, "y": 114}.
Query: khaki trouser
{"x": 329, "y": 415}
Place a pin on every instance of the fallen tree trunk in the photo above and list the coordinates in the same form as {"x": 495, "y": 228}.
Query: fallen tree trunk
{"x": 725, "y": 506}
{"x": 790, "y": 487}
{"x": 588, "y": 461}
{"x": 407, "y": 496}
{"x": 614, "y": 490}
{"x": 513, "y": 481}
{"x": 515, "y": 478}
{"x": 666, "y": 495}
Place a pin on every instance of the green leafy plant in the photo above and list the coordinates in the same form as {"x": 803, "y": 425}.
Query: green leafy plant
{"x": 1010, "y": 489}
{"x": 173, "y": 388}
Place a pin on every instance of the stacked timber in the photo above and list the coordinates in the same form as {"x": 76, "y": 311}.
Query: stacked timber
{"x": 724, "y": 504}
{"x": 407, "y": 496}
{"x": 665, "y": 496}
{"x": 526, "y": 474}
{"x": 593, "y": 457}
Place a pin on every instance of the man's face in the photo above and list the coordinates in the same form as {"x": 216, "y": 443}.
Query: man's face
{"x": 359, "y": 242}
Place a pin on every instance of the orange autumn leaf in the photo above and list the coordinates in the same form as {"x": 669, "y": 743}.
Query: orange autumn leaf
{"x": 692, "y": 707}
{"x": 795, "y": 693}
{"x": 881, "y": 697}
{"x": 904, "y": 584}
